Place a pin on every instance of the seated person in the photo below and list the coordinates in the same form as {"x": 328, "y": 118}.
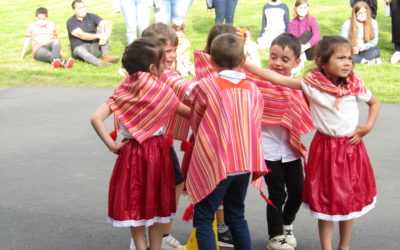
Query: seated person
{"x": 275, "y": 21}
{"x": 88, "y": 36}
{"x": 305, "y": 28}
{"x": 373, "y": 5}
{"x": 250, "y": 47}
{"x": 183, "y": 64}
{"x": 45, "y": 44}
{"x": 362, "y": 31}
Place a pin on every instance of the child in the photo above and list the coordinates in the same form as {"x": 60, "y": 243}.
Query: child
{"x": 362, "y": 31}
{"x": 305, "y": 28}
{"x": 176, "y": 127}
{"x": 144, "y": 165}
{"x": 45, "y": 44}
{"x": 339, "y": 181}
{"x": 275, "y": 20}
{"x": 183, "y": 64}
{"x": 286, "y": 118}
{"x": 225, "y": 120}
{"x": 250, "y": 47}
{"x": 205, "y": 68}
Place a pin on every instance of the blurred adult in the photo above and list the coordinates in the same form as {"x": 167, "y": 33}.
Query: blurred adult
{"x": 137, "y": 17}
{"x": 171, "y": 11}
{"x": 225, "y": 11}
{"x": 89, "y": 36}
{"x": 395, "y": 14}
{"x": 362, "y": 31}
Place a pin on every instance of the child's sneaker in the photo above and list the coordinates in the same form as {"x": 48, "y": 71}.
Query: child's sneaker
{"x": 170, "y": 243}
{"x": 68, "y": 63}
{"x": 289, "y": 237}
{"x": 56, "y": 63}
{"x": 278, "y": 243}
{"x": 378, "y": 60}
{"x": 225, "y": 239}
{"x": 395, "y": 58}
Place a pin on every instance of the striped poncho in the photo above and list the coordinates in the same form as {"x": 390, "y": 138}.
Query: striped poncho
{"x": 282, "y": 106}
{"x": 177, "y": 127}
{"x": 143, "y": 104}
{"x": 226, "y": 123}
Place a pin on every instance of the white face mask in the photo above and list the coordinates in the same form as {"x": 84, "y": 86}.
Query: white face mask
{"x": 81, "y": 12}
{"x": 41, "y": 22}
{"x": 362, "y": 18}
{"x": 302, "y": 10}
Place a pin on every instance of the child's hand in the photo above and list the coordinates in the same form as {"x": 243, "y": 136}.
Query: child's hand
{"x": 358, "y": 134}
{"x": 118, "y": 146}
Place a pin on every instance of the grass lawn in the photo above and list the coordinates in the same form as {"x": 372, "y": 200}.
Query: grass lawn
{"x": 383, "y": 80}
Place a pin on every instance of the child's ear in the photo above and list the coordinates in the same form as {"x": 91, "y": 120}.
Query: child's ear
{"x": 297, "y": 62}
{"x": 153, "y": 69}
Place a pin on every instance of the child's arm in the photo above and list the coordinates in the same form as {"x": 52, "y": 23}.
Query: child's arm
{"x": 362, "y": 130}
{"x": 183, "y": 111}
{"x": 273, "y": 77}
{"x": 97, "y": 121}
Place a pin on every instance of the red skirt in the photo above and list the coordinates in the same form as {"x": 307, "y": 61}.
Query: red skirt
{"x": 339, "y": 181}
{"x": 142, "y": 185}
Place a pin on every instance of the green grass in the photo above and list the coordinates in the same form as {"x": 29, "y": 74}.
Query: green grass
{"x": 383, "y": 79}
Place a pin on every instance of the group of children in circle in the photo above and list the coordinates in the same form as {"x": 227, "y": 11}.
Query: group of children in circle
{"x": 244, "y": 120}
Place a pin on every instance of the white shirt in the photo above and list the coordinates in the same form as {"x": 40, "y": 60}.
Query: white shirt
{"x": 327, "y": 118}
{"x": 126, "y": 134}
{"x": 275, "y": 144}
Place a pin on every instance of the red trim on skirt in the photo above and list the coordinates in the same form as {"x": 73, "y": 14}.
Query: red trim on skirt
{"x": 339, "y": 181}
{"x": 142, "y": 185}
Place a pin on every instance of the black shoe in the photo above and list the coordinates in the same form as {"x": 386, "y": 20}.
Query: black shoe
{"x": 225, "y": 239}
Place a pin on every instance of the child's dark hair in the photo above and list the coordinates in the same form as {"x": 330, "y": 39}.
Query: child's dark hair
{"x": 288, "y": 40}
{"x": 141, "y": 53}
{"x": 326, "y": 47}
{"x": 41, "y": 10}
{"x": 227, "y": 50}
{"x": 218, "y": 29}
{"x": 161, "y": 32}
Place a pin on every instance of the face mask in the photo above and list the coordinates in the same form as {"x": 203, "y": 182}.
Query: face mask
{"x": 302, "y": 12}
{"x": 362, "y": 18}
{"x": 81, "y": 12}
{"x": 41, "y": 22}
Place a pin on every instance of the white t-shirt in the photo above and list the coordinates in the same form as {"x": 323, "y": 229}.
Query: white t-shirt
{"x": 327, "y": 118}
{"x": 126, "y": 134}
{"x": 275, "y": 144}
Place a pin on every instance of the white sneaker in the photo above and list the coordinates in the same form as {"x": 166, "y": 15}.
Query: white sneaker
{"x": 289, "y": 237}
{"x": 378, "y": 60}
{"x": 170, "y": 243}
{"x": 364, "y": 61}
{"x": 133, "y": 247}
{"x": 278, "y": 243}
{"x": 395, "y": 58}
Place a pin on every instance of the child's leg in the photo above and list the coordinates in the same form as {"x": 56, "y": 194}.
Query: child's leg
{"x": 139, "y": 237}
{"x": 294, "y": 180}
{"x": 155, "y": 236}
{"x": 275, "y": 181}
{"x": 325, "y": 229}
{"x": 345, "y": 229}
{"x": 234, "y": 211}
{"x": 204, "y": 216}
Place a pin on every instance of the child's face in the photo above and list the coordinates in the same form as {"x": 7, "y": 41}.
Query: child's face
{"x": 340, "y": 63}
{"x": 282, "y": 60}
{"x": 169, "y": 54}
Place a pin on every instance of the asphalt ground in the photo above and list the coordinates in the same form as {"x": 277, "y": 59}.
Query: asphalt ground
{"x": 54, "y": 174}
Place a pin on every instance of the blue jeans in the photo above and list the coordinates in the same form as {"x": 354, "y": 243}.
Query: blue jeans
{"x": 172, "y": 11}
{"x": 368, "y": 54}
{"x": 233, "y": 192}
{"x": 136, "y": 13}
{"x": 48, "y": 52}
{"x": 225, "y": 10}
